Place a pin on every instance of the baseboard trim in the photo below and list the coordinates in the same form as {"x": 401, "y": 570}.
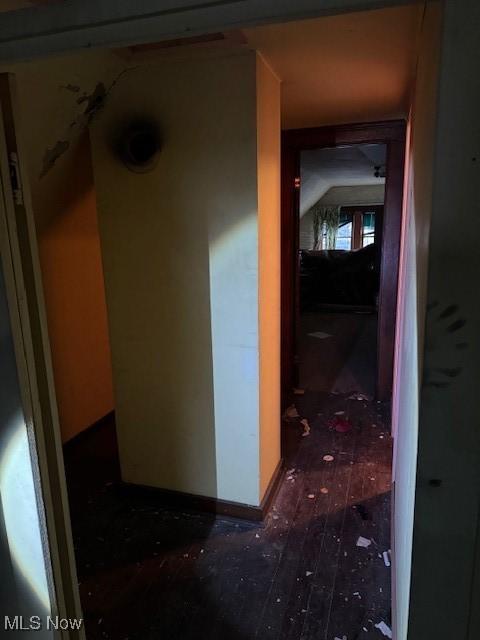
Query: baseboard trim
{"x": 179, "y": 500}
{"x": 272, "y": 489}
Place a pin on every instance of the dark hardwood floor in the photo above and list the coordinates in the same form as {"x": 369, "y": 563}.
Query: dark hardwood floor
{"x": 150, "y": 573}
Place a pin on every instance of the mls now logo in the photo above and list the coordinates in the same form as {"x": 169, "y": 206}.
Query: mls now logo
{"x": 34, "y": 623}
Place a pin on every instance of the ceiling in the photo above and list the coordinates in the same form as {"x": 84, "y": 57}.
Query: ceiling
{"x": 353, "y": 67}
{"x": 322, "y": 169}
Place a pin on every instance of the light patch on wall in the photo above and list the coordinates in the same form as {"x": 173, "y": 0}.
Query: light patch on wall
{"x": 234, "y": 313}
{"x": 19, "y": 503}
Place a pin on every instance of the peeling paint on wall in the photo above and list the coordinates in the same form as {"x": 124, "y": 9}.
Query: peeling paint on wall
{"x": 90, "y": 103}
{"x": 94, "y": 101}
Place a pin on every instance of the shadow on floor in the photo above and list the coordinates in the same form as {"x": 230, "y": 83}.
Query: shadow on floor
{"x": 148, "y": 572}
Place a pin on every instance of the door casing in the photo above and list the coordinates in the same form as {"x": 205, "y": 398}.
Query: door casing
{"x": 294, "y": 141}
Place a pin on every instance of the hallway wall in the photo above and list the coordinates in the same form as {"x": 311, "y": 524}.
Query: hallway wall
{"x": 181, "y": 262}
{"x": 443, "y": 604}
{"x": 268, "y": 168}
{"x": 412, "y": 307}
{"x": 55, "y": 97}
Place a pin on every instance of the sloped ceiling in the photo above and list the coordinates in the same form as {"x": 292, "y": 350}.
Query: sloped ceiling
{"x": 322, "y": 169}
{"x": 354, "y": 67}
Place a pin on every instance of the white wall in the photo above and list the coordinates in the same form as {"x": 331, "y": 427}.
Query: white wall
{"x": 24, "y": 588}
{"x": 446, "y": 517}
{"x": 411, "y": 310}
{"x": 180, "y": 254}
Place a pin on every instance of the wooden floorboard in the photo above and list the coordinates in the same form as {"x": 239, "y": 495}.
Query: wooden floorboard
{"x": 148, "y": 572}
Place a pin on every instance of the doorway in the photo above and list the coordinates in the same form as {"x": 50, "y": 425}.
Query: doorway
{"x": 342, "y": 192}
{"x": 341, "y": 256}
{"x": 341, "y": 218}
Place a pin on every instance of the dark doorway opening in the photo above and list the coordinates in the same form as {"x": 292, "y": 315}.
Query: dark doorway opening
{"x": 338, "y": 256}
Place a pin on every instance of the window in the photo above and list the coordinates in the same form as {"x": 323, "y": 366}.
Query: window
{"x": 343, "y": 238}
{"x": 368, "y": 228}
{"x": 356, "y": 228}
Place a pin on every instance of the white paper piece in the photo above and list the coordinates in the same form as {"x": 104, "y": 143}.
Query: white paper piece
{"x": 328, "y": 458}
{"x": 320, "y": 334}
{"x": 359, "y": 396}
{"x": 306, "y": 427}
{"x": 386, "y": 558}
{"x": 291, "y": 412}
{"x": 385, "y": 629}
{"x": 363, "y": 542}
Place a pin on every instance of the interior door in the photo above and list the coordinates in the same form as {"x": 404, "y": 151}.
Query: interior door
{"x": 36, "y": 555}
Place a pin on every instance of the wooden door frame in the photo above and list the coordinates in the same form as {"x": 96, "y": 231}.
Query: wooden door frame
{"x": 392, "y": 134}
{"x": 20, "y": 261}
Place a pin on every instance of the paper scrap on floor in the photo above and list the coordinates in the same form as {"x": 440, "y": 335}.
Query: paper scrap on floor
{"x": 363, "y": 542}
{"x": 306, "y": 427}
{"x": 385, "y": 629}
{"x": 359, "y": 396}
{"x": 320, "y": 334}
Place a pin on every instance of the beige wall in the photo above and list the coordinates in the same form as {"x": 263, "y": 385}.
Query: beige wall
{"x": 74, "y": 291}
{"x": 180, "y": 249}
{"x": 53, "y": 96}
{"x": 268, "y": 159}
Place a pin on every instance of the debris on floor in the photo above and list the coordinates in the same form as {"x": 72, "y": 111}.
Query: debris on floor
{"x": 299, "y": 392}
{"x": 341, "y": 425}
{"x": 306, "y": 427}
{"x": 320, "y": 334}
{"x": 291, "y": 412}
{"x": 339, "y": 413}
{"x": 385, "y": 629}
{"x": 245, "y": 560}
{"x": 359, "y": 396}
{"x": 290, "y": 474}
{"x": 324, "y": 490}
{"x": 386, "y": 558}
{"x": 342, "y": 638}
{"x": 363, "y": 542}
